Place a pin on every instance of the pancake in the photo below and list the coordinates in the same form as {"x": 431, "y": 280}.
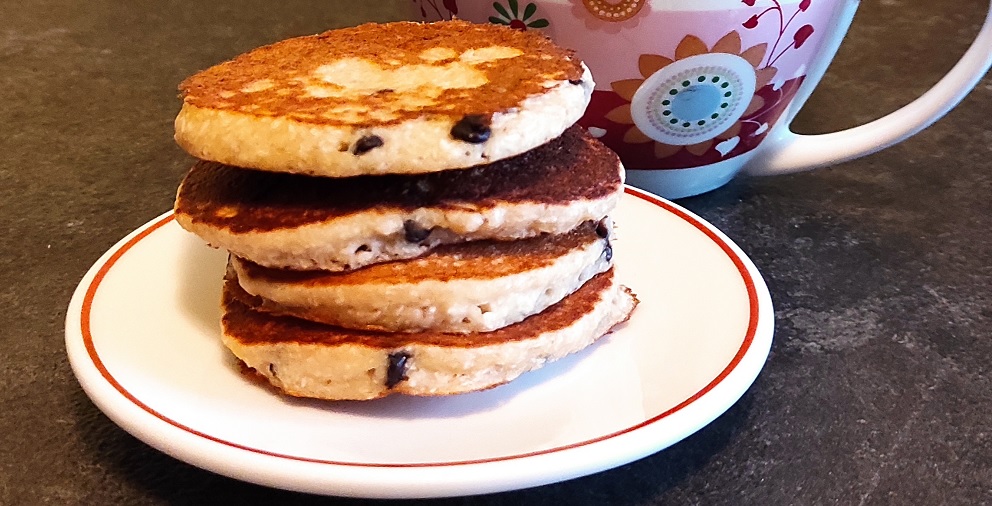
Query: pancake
{"x": 384, "y": 98}
{"x": 307, "y": 359}
{"x": 478, "y": 286}
{"x": 313, "y": 223}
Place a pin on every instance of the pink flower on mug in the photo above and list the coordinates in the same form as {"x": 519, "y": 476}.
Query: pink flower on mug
{"x": 695, "y": 100}
{"x": 803, "y": 33}
{"x": 798, "y": 38}
{"x": 515, "y": 19}
{"x": 431, "y": 7}
{"x": 610, "y": 16}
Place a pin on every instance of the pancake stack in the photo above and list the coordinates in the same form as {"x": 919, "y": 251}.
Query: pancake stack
{"x": 409, "y": 208}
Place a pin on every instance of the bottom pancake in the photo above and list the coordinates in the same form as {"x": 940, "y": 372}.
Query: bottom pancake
{"x": 307, "y": 359}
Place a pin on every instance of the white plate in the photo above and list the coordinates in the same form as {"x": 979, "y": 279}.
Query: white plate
{"x": 142, "y": 336}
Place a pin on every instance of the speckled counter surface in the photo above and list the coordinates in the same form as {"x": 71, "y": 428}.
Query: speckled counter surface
{"x": 878, "y": 387}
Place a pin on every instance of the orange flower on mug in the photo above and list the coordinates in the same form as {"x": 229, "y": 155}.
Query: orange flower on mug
{"x": 610, "y": 16}
{"x": 695, "y": 99}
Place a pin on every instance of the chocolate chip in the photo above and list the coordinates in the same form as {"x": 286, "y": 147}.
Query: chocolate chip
{"x": 575, "y": 81}
{"x": 603, "y": 228}
{"x": 413, "y": 232}
{"x": 367, "y": 143}
{"x": 272, "y": 369}
{"x": 473, "y": 128}
{"x": 396, "y": 369}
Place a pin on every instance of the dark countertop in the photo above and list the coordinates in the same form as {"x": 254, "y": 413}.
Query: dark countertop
{"x": 878, "y": 387}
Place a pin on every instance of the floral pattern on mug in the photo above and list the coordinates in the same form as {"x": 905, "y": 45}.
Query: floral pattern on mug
{"x": 694, "y": 100}
{"x": 445, "y": 9}
{"x": 516, "y": 19}
{"x": 775, "y": 11}
{"x": 610, "y": 16}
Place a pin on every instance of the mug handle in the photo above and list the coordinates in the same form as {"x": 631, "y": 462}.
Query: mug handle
{"x": 791, "y": 152}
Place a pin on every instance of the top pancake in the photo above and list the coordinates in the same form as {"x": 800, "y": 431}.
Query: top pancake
{"x": 384, "y": 98}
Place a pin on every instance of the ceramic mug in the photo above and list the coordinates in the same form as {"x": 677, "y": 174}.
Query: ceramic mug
{"x": 691, "y": 92}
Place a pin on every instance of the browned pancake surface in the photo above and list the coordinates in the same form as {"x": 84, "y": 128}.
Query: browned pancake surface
{"x": 471, "y": 260}
{"x": 571, "y": 167}
{"x": 254, "y": 328}
{"x": 297, "y": 79}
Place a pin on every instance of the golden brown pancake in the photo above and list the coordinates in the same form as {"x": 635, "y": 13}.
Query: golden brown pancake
{"x": 384, "y": 98}
{"x": 308, "y": 359}
{"x": 477, "y": 286}
{"x": 302, "y": 222}
{"x": 257, "y": 82}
